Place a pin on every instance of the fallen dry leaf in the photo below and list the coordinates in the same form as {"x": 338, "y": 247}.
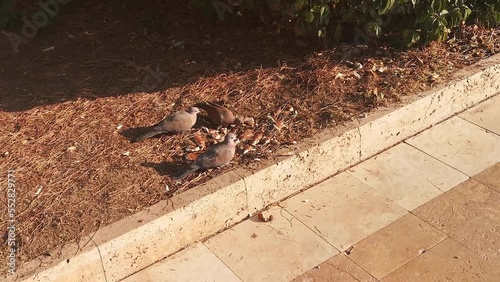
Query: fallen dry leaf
{"x": 192, "y": 149}
{"x": 249, "y": 121}
{"x": 279, "y": 125}
{"x": 191, "y": 156}
{"x": 244, "y": 137}
{"x": 265, "y": 141}
{"x": 256, "y": 139}
{"x": 199, "y": 140}
{"x": 247, "y": 149}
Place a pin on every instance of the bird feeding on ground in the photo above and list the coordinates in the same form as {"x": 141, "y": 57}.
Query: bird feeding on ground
{"x": 177, "y": 122}
{"x": 215, "y": 156}
{"x": 219, "y": 115}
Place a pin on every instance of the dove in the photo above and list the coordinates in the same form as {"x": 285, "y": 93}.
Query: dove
{"x": 215, "y": 156}
{"x": 177, "y": 122}
{"x": 218, "y": 114}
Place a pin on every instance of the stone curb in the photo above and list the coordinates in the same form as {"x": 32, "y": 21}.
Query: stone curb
{"x": 129, "y": 245}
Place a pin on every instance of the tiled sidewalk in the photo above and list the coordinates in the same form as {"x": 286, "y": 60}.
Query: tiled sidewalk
{"x": 425, "y": 210}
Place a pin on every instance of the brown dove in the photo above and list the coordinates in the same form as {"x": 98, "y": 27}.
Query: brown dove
{"x": 177, "y": 122}
{"x": 217, "y": 155}
{"x": 218, "y": 114}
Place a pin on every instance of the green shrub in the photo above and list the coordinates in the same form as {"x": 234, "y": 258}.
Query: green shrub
{"x": 410, "y": 21}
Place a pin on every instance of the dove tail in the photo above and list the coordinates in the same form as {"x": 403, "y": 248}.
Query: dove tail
{"x": 148, "y": 134}
{"x": 188, "y": 171}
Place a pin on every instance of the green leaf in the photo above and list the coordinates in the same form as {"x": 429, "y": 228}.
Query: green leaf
{"x": 467, "y": 12}
{"x": 338, "y": 34}
{"x": 385, "y": 6}
{"x": 325, "y": 11}
{"x": 373, "y": 28}
{"x": 309, "y": 17}
{"x": 299, "y": 4}
{"x": 300, "y": 27}
{"x": 410, "y": 37}
{"x": 438, "y": 5}
{"x": 456, "y": 17}
{"x": 415, "y": 37}
{"x": 322, "y": 32}
{"x": 316, "y": 9}
{"x": 407, "y": 39}
{"x": 423, "y": 17}
{"x": 443, "y": 22}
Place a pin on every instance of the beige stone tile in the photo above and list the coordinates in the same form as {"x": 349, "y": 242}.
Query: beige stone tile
{"x": 440, "y": 104}
{"x": 448, "y": 261}
{"x": 290, "y": 175}
{"x": 343, "y": 210}
{"x": 338, "y": 268}
{"x": 278, "y": 250}
{"x": 85, "y": 266}
{"x": 490, "y": 177}
{"x": 486, "y": 114}
{"x": 461, "y": 144}
{"x": 470, "y": 214}
{"x": 210, "y": 207}
{"x": 407, "y": 176}
{"x": 196, "y": 263}
{"x": 395, "y": 245}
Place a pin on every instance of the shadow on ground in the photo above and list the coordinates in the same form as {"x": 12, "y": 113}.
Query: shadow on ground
{"x": 94, "y": 49}
{"x": 165, "y": 168}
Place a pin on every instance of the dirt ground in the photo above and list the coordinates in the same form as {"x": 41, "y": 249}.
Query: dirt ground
{"x": 72, "y": 96}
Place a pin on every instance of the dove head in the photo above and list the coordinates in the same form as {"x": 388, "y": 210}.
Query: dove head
{"x": 193, "y": 110}
{"x": 231, "y": 138}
